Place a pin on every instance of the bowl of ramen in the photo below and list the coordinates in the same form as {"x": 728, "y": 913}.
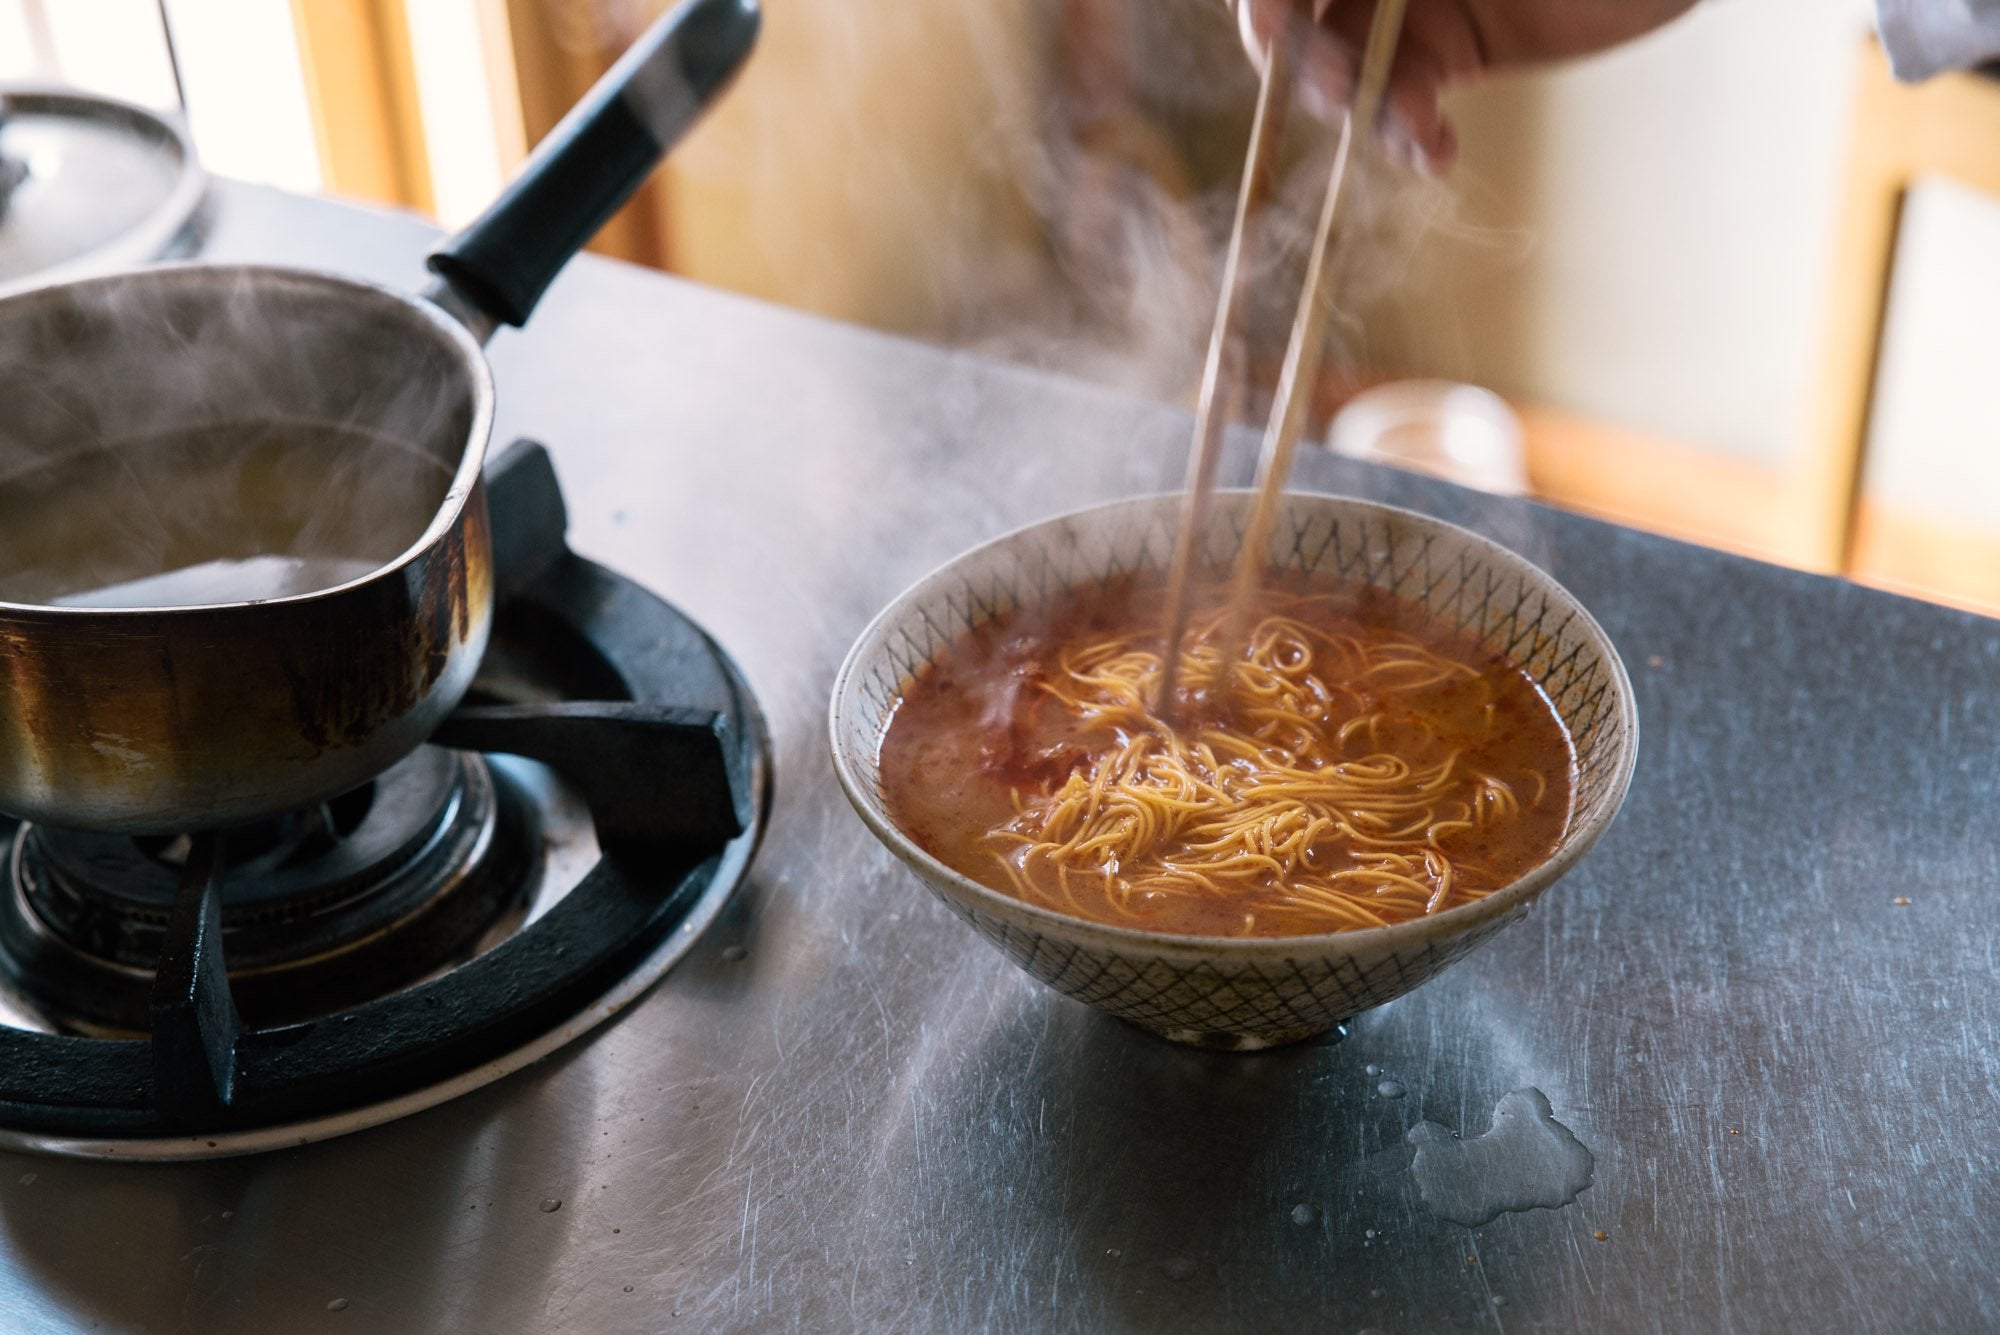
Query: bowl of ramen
{"x": 1369, "y": 763}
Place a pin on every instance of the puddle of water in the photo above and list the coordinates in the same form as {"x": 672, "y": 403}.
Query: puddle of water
{"x": 1527, "y": 1160}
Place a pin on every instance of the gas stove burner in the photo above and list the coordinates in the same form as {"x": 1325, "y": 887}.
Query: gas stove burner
{"x": 562, "y": 841}
{"x": 321, "y": 909}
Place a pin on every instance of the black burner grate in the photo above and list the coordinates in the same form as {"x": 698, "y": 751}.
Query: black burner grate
{"x": 321, "y": 909}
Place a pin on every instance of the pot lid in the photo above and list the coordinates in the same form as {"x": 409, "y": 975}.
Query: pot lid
{"x": 87, "y": 184}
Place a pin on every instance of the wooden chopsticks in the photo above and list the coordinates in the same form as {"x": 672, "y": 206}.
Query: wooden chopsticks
{"x": 1222, "y": 372}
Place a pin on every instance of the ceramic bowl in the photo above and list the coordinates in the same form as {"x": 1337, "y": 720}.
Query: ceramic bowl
{"x": 1226, "y": 992}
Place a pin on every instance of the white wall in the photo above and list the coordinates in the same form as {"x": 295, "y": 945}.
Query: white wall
{"x": 1934, "y": 442}
{"x": 1643, "y": 236}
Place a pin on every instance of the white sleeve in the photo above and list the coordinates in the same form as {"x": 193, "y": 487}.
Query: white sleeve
{"x": 1926, "y": 37}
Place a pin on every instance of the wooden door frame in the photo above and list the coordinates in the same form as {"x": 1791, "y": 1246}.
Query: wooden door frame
{"x": 1947, "y": 127}
{"x": 361, "y": 87}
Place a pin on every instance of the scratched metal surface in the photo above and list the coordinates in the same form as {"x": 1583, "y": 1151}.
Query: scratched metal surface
{"x": 870, "y": 1120}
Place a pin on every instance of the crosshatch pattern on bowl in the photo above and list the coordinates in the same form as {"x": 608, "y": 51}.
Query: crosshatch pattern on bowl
{"x": 1490, "y": 592}
{"x": 1272, "y": 998}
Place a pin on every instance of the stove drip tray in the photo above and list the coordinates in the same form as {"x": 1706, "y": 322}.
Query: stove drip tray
{"x": 561, "y": 841}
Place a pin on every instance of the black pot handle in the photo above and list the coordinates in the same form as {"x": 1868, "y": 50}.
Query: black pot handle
{"x": 596, "y": 157}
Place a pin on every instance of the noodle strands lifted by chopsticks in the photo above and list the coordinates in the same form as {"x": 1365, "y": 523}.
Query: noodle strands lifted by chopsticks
{"x": 1293, "y": 400}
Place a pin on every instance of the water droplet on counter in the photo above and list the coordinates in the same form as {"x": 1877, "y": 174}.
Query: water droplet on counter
{"x": 733, "y": 953}
{"x": 1112, "y": 1251}
{"x": 550, "y": 1205}
{"x": 1526, "y": 1160}
{"x": 337, "y": 1305}
{"x": 1303, "y": 1215}
{"x": 1179, "y": 1267}
{"x": 229, "y": 1214}
{"x": 1377, "y": 1293}
{"x": 1371, "y": 1069}
{"x": 1370, "y": 1234}
{"x": 1391, "y": 1089}
{"x": 1498, "y": 1301}
{"x": 628, "y": 1288}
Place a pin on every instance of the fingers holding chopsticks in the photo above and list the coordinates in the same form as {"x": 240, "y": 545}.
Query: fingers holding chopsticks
{"x": 1437, "y": 49}
{"x": 1445, "y": 44}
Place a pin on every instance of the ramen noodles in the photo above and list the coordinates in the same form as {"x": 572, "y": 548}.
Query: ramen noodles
{"x": 1355, "y": 762}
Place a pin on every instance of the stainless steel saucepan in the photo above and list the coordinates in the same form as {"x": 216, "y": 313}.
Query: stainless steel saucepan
{"x": 144, "y": 718}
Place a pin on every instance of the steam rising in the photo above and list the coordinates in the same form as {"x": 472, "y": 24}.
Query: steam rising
{"x": 1135, "y": 177}
{"x": 217, "y": 515}
{"x": 1046, "y": 183}
{"x": 1051, "y": 184}
{"x": 265, "y": 434}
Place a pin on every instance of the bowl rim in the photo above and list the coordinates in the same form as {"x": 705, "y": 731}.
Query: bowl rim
{"x": 1510, "y": 898}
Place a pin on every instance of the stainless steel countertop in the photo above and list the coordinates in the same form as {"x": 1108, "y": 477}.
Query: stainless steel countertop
{"x": 872, "y": 1120}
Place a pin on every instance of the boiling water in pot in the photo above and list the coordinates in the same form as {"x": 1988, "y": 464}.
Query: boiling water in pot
{"x": 219, "y": 515}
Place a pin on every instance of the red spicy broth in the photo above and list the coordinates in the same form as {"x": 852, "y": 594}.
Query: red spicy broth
{"x": 1366, "y": 764}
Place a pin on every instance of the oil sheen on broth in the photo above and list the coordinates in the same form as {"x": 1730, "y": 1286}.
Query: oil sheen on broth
{"x": 1367, "y": 763}
{"x": 221, "y": 515}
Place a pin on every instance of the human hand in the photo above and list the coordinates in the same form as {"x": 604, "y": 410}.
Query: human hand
{"x": 1444, "y": 43}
